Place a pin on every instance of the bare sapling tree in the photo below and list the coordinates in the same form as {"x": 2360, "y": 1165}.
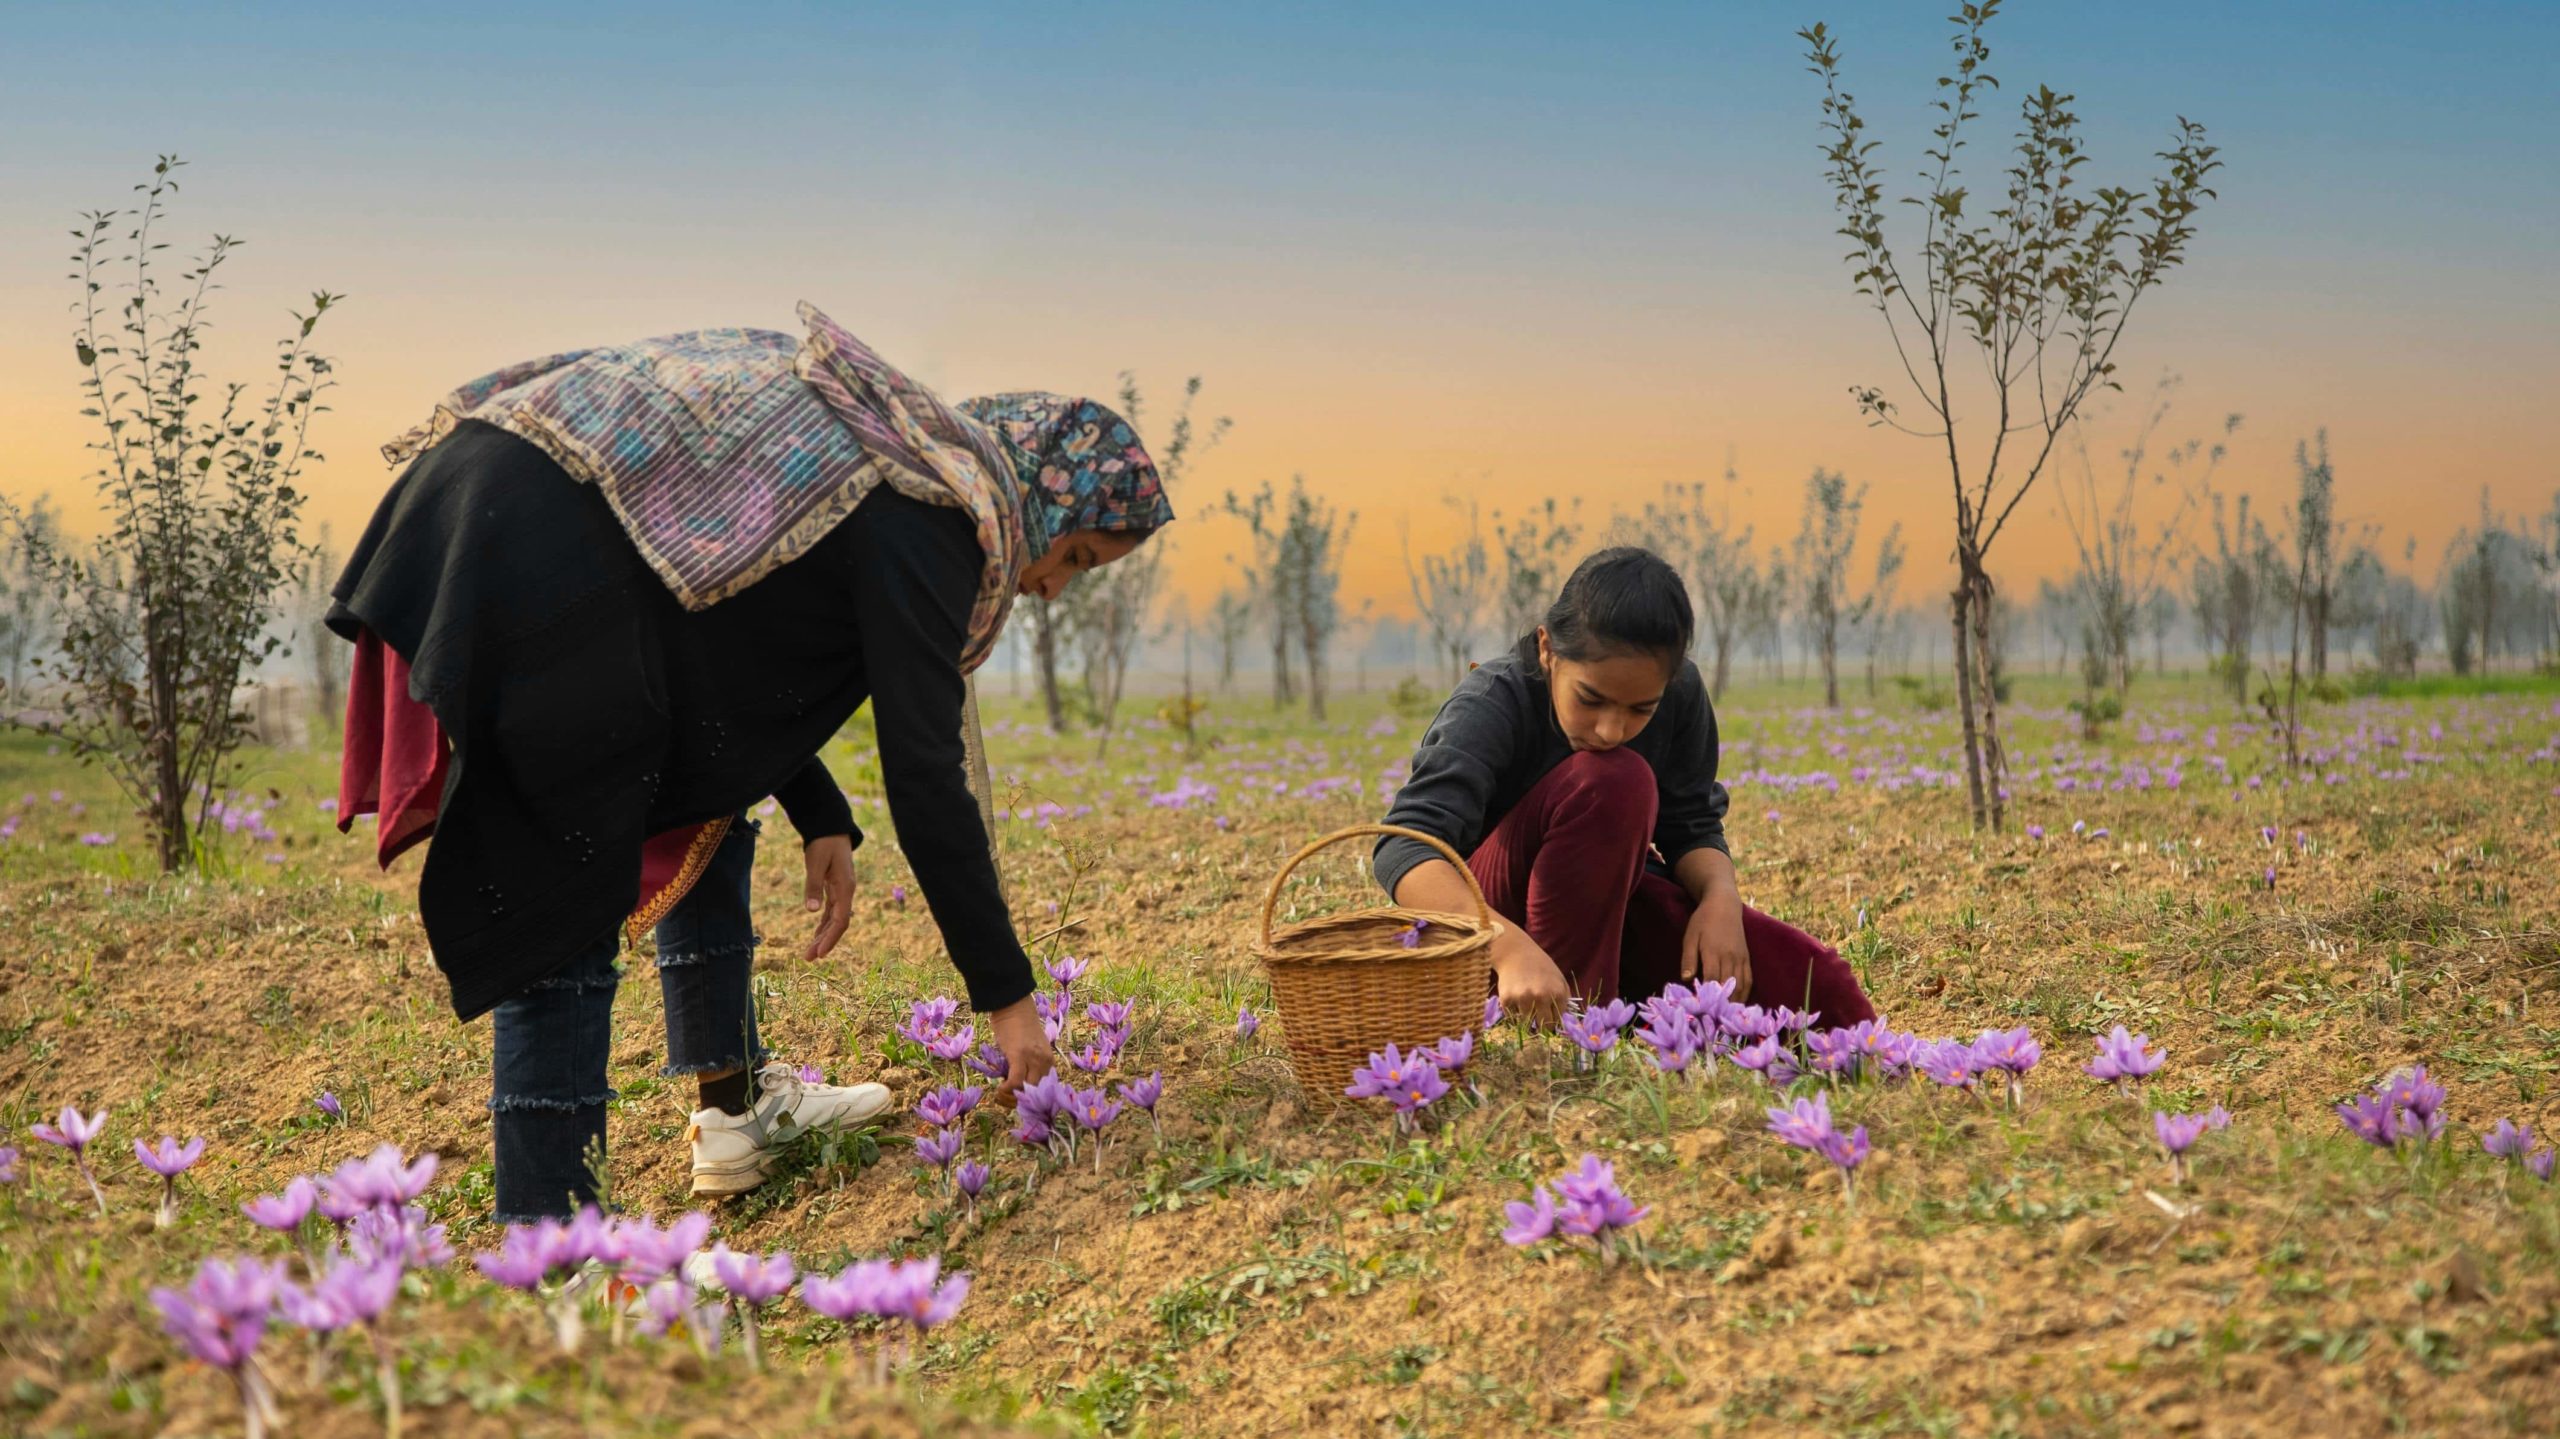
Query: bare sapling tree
{"x": 26, "y": 609}
{"x": 2318, "y": 537}
{"x": 173, "y": 605}
{"x": 1826, "y": 536}
{"x": 1111, "y": 605}
{"x": 1877, "y": 610}
{"x": 2122, "y": 565}
{"x": 1230, "y": 620}
{"x": 312, "y": 579}
{"x": 1313, "y": 538}
{"x": 2227, "y": 589}
{"x": 1451, "y": 590}
{"x": 2487, "y": 592}
{"x": 2022, "y": 309}
{"x": 1267, "y": 581}
{"x": 1538, "y": 550}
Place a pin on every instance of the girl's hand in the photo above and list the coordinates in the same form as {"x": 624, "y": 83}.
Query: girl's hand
{"x": 829, "y": 890}
{"x": 1027, "y": 1056}
{"x": 1713, "y": 947}
{"x": 1530, "y": 984}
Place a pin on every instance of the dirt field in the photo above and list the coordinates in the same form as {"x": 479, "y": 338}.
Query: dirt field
{"x": 1278, "y": 1267}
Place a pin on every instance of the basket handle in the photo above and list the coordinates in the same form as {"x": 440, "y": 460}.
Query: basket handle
{"x": 1271, "y": 901}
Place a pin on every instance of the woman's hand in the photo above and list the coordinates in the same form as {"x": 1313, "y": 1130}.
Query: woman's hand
{"x": 1713, "y": 948}
{"x": 1025, "y": 1044}
{"x": 1532, "y": 988}
{"x": 829, "y": 889}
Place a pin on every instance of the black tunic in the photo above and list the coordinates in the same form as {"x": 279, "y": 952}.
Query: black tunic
{"x": 1496, "y": 736}
{"x": 589, "y": 710}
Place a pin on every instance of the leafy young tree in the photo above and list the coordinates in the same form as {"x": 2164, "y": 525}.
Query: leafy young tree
{"x": 2038, "y": 290}
{"x": 164, "y": 615}
{"x": 1312, "y": 541}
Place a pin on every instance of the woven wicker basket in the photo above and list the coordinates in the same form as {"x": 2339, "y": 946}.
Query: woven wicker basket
{"x": 1347, "y": 986}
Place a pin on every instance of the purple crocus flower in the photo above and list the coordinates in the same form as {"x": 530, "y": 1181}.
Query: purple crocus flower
{"x": 988, "y": 1060}
{"x": 2178, "y": 1133}
{"x": 220, "y": 1317}
{"x": 2371, "y": 1118}
{"x": 2124, "y": 1057}
{"x": 1492, "y": 1011}
{"x": 11, "y": 1171}
{"x": 1846, "y": 1152}
{"x": 1093, "y": 1109}
{"x": 2422, "y": 1098}
{"x": 1673, "y": 1039}
{"x": 1067, "y": 970}
{"x": 1421, "y": 1086}
{"x": 168, "y": 1160}
{"x": 330, "y": 1107}
{"x": 1381, "y": 1075}
{"x": 1593, "y": 1206}
{"x": 401, "y": 1237}
{"x": 2539, "y": 1164}
{"x": 754, "y": 1282}
{"x": 898, "y": 895}
{"x": 927, "y": 1019}
{"x": 1758, "y": 1056}
{"x": 2509, "y": 1140}
{"x": 1246, "y": 1023}
{"x": 2012, "y": 1052}
{"x": 953, "y": 1046}
{"x": 1595, "y": 1030}
{"x": 1144, "y": 1094}
{"x": 1108, "y": 1014}
{"x": 1802, "y": 1122}
{"x": 284, "y": 1212}
{"x": 1098, "y": 1055}
{"x": 939, "y": 1148}
{"x": 523, "y": 1259}
{"x": 948, "y": 1105}
{"x": 1952, "y": 1063}
{"x": 1453, "y": 1054}
{"x": 971, "y": 1180}
{"x": 1532, "y": 1221}
{"x": 1032, "y": 1129}
{"x": 1411, "y": 938}
{"x": 75, "y": 1131}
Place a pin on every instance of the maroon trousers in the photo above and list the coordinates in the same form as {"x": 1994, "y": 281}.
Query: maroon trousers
{"x": 1567, "y": 864}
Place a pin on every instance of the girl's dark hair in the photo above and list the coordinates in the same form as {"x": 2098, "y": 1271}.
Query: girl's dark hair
{"x": 1622, "y": 601}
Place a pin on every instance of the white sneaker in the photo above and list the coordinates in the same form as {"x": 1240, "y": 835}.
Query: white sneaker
{"x": 733, "y": 1153}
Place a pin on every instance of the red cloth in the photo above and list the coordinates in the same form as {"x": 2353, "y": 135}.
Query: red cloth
{"x": 394, "y": 766}
{"x": 1567, "y": 864}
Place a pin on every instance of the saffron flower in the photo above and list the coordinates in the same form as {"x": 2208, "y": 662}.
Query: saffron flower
{"x": 971, "y": 1180}
{"x": 1673, "y": 1039}
{"x": 1068, "y": 970}
{"x": 1952, "y": 1063}
{"x": 754, "y": 1282}
{"x": 1411, "y": 938}
{"x": 1492, "y": 1011}
{"x": 284, "y": 1212}
{"x": 168, "y": 1160}
{"x": 2370, "y": 1118}
{"x": 2539, "y": 1163}
{"x": 1595, "y": 1030}
{"x": 928, "y": 1019}
{"x": 1802, "y": 1122}
{"x": 938, "y": 1149}
{"x": 2509, "y": 1140}
{"x": 10, "y": 1170}
{"x": 1109, "y": 1015}
{"x": 1098, "y": 1055}
{"x": 947, "y": 1106}
{"x": 1144, "y": 1094}
{"x": 1530, "y": 1221}
{"x": 988, "y": 1060}
{"x": 221, "y": 1317}
{"x": 1422, "y": 1085}
{"x": 330, "y": 1108}
{"x": 1452, "y": 1054}
{"x": 74, "y": 1131}
{"x": 2420, "y": 1097}
{"x": 2178, "y": 1133}
{"x": 2012, "y": 1052}
{"x": 2124, "y": 1058}
{"x": 1246, "y": 1023}
{"x": 954, "y": 1045}
{"x": 897, "y": 896}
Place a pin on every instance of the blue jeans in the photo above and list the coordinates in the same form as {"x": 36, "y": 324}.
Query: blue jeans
{"x": 548, "y": 1093}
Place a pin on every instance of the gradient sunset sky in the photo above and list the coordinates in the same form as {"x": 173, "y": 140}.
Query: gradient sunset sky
{"x": 1496, "y": 249}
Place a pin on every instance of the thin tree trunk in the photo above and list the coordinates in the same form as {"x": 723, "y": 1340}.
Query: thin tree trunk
{"x": 1987, "y": 693}
{"x": 1963, "y": 601}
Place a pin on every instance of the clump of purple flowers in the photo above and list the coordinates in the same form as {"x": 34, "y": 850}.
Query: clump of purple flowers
{"x": 1246, "y": 1023}
{"x": 754, "y": 1281}
{"x": 886, "y": 1289}
{"x": 2178, "y": 1133}
{"x": 221, "y": 1317}
{"x": 1586, "y": 1202}
{"x": 2011, "y": 1052}
{"x": 2124, "y": 1058}
{"x": 1409, "y": 1082}
{"x": 2514, "y": 1142}
{"x": 2406, "y": 1108}
{"x": 1594, "y": 1029}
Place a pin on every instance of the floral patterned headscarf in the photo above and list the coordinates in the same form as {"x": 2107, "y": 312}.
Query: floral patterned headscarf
{"x": 1080, "y": 465}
